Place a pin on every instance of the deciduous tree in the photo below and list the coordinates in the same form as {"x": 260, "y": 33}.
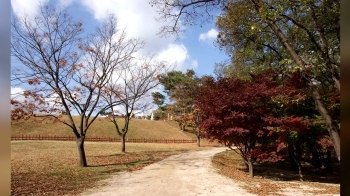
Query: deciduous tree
{"x": 130, "y": 86}
{"x": 65, "y": 71}
{"x": 240, "y": 114}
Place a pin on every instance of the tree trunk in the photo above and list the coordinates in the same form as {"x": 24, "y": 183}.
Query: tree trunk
{"x": 298, "y": 155}
{"x": 123, "y": 142}
{"x": 316, "y": 162}
{"x": 250, "y": 167}
{"x": 298, "y": 151}
{"x": 300, "y": 174}
{"x": 336, "y": 81}
{"x": 299, "y": 168}
{"x": 180, "y": 125}
{"x": 332, "y": 130}
{"x": 198, "y": 139}
{"x": 81, "y": 151}
{"x": 296, "y": 158}
{"x": 328, "y": 160}
{"x": 293, "y": 163}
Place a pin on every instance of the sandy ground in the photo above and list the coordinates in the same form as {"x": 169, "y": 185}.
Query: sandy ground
{"x": 184, "y": 174}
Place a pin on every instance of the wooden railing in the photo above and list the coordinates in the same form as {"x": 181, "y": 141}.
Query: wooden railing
{"x": 101, "y": 139}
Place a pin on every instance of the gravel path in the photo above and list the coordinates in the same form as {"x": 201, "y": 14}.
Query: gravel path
{"x": 184, "y": 174}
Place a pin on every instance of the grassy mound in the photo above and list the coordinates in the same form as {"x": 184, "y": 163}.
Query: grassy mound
{"x": 100, "y": 128}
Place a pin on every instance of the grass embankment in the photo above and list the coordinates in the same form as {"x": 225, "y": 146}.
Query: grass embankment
{"x": 273, "y": 179}
{"x": 100, "y": 128}
{"x": 50, "y": 167}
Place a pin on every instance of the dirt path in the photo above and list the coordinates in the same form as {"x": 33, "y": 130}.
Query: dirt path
{"x": 184, "y": 174}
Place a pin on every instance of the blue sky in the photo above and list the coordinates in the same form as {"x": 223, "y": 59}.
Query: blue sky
{"x": 194, "y": 51}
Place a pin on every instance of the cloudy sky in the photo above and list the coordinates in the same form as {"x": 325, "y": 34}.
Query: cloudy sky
{"x": 194, "y": 51}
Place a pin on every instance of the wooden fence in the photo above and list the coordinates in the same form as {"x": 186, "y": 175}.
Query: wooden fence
{"x": 100, "y": 139}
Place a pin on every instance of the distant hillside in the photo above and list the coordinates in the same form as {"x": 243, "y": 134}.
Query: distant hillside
{"x": 101, "y": 128}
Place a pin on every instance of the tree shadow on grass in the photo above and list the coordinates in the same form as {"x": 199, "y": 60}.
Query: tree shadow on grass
{"x": 282, "y": 172}
{"x": 131, "y": 163}
{"x": 128, "y": 166}
{"x": 113, "y": 163}
{"x": 143, "y": 152}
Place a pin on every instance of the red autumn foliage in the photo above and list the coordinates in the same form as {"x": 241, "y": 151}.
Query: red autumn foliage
{"x": 246, "y": 114}
{"x": 237, "y": 113}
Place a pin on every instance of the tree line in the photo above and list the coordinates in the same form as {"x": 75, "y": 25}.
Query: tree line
{"x": 279, "y": 90}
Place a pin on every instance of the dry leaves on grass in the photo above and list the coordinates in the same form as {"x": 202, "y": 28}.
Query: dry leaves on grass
{"x": 50, "y": 168}
{"x": 270, "y": 179}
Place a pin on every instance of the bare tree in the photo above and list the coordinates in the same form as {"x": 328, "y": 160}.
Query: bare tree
{"x": 179, "y": 13}
{"x": 130, "y": 87}
{"x": 66, "y": 72}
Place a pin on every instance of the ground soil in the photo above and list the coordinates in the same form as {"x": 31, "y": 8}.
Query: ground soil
{"x": 184, "y": 174}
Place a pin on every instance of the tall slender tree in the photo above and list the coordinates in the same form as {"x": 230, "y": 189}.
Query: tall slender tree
{"x": 130, "y": 86}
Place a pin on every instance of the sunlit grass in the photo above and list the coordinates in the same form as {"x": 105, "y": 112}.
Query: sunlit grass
{"x": 101, "y": 128}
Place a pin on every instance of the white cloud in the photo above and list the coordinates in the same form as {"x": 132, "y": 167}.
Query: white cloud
{"x": 16, "y": 94}
{"x": 15, "y": 91}
{"x": 28, "y": 7}
{"x": 208, "y": 36}
{"x": 175, "y": 54}
{"x": 138, "y": 17}
{"x": 178, "y": 54}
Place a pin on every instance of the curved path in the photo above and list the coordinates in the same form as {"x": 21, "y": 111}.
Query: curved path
{"x": 184, "y": 174}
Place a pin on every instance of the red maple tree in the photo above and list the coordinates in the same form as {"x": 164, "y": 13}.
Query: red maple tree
{"x": 242, "y": 115}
